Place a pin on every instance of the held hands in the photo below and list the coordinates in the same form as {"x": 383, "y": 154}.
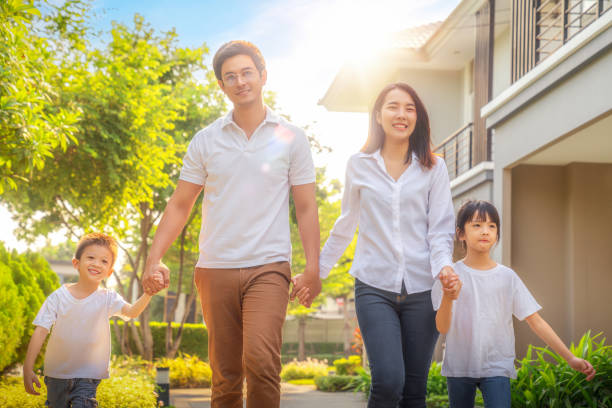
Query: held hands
{"x": 306, "y": 286}
{"x": 451, "y": 285}
{"x": 29, "y": 379}
{"x": 583, "y": 366}
{"x": 155, "y": 278}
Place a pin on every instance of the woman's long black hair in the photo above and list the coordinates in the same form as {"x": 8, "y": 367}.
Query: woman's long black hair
{"x": 420, "y": 139}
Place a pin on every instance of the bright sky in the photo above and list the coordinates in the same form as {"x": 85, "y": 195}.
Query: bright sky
{"x": 304, "y": 42}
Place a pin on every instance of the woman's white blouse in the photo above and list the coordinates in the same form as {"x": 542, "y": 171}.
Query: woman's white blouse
{"x": 406, "y": 226}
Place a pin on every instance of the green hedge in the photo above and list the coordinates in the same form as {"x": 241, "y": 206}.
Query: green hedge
{"x": 26, "y": 280}
{"x": 314, "y": 348}
{"x": 319, "y": 351}
{"x": 194, "y": 341}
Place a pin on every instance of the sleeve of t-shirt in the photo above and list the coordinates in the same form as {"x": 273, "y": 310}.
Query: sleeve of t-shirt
{"x": 47, "y": 315}
{"x": 194, "y": 170}
{"x": 301, "y": 168}
{"x": 436, "y": 294}
{"x": 523, "y": 303}
{"x": 115, "y": 304}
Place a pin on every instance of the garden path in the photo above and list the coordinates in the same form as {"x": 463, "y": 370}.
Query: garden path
{"x": 293, "y": 396}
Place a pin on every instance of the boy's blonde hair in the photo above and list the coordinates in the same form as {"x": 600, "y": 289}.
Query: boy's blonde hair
{"x": 97, "y": 238}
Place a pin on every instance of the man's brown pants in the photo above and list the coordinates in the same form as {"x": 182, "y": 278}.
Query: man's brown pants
{"x": 244, "y": 310}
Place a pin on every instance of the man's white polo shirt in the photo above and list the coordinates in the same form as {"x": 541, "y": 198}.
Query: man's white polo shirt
{"x": 245, "y": 212}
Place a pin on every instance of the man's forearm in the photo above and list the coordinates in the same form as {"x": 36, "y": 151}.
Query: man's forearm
{"x": 171, "y": 224}
{"x": 308, "y": 225}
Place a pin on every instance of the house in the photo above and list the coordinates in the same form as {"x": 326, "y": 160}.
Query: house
{"x": 64, "y": 269}
{"x": 519, "y": 94}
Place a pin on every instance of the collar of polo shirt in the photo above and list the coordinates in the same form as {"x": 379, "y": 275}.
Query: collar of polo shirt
{"x": 271, "y": 117}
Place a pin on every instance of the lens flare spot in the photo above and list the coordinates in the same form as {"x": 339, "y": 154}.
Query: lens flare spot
{"x": 284, "y": 134}
{"x": 265, "y": 168}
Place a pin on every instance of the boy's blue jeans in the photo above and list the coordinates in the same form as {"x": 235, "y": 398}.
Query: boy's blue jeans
{"x": 462, "y": 391}
{"x": 399, "y": 332}
{"x": 71, "y": 392}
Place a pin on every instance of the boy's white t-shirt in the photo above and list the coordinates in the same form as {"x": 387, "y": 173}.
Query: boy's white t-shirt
{"x": 480, "y": 341}
{"x": 80, "y": 342}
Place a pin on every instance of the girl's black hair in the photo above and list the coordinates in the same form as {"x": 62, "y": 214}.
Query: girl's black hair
{"x": 478, "y": 210}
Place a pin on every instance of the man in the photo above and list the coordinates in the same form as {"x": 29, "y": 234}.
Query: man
{"x": 246, "y": 162}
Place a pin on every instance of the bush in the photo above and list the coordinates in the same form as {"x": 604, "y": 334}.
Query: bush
{"x": 348, "y": 366}
{"x": 187, "y": 371}
{"x": 437, "y": 394}
{"x": 133, "y": 391}
{"x": 12, "y": 320}
{"x": 13, "y": 395}
{"x": 26, "y": 279}
{"x": 365, "y": 381}
{"x": 303, "y": 381}
{"x": 436, "y": 383}
{"x": 334, "y": 383}
{"x": 310, "y": 368}
{"x": 194, "y": 341}
{"x": 540, "y": 383}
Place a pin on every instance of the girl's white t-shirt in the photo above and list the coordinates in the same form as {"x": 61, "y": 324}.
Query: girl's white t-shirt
{"x": 80, "y": 342}
{"x": 480, "y": 341}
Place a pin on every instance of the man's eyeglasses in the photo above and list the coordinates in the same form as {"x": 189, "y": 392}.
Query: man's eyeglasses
{"x": 232, "y": 79}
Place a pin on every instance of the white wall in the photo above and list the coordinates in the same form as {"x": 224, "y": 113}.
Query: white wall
{"x": 502, "y": 60}
{"x": 441, "y": 92}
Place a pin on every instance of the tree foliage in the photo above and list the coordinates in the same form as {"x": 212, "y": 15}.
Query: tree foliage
{"x": 33, "y": 120}
{"x": 141, "y": 98}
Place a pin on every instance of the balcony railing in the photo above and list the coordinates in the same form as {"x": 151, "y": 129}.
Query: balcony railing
{"x": 457, "y": 151}
{"x": 540, "y": 27}
{"x": 557, "y": 21}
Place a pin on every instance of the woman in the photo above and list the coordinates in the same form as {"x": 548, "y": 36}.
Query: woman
{"x": 399, "y": 194}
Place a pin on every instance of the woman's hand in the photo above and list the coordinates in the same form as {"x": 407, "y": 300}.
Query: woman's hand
{"x": 448, "y": 277}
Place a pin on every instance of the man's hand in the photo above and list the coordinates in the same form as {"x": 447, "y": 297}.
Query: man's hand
{"x": 155, "y": 278}
{"x": 29, "y": 379}
{"x": 306, "y": 286}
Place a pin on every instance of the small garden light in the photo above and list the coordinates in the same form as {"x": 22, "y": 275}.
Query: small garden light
{"x": 162, "y": 379}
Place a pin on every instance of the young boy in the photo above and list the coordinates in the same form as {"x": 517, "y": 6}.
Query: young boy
{"x": 78, "y": 352}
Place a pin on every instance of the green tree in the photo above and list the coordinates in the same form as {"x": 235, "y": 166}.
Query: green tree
{"x": 33, "y": 121}
{"x": 142, "y": 98}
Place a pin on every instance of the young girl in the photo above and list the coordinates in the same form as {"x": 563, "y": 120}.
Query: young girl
{"x": 399, "y": 194}
{"x": 480, "y": 337}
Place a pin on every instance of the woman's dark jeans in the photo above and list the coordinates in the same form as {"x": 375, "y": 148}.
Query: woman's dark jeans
{"x": 399, "y": 333}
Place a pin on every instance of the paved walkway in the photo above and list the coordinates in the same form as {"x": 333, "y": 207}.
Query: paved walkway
{"x": 293, "y": 396}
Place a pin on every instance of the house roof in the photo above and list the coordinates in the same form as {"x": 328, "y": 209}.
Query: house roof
{"x": 408, "y": 42}
{"x": 414, "y": 37}
{"x": 440, "y": 46}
